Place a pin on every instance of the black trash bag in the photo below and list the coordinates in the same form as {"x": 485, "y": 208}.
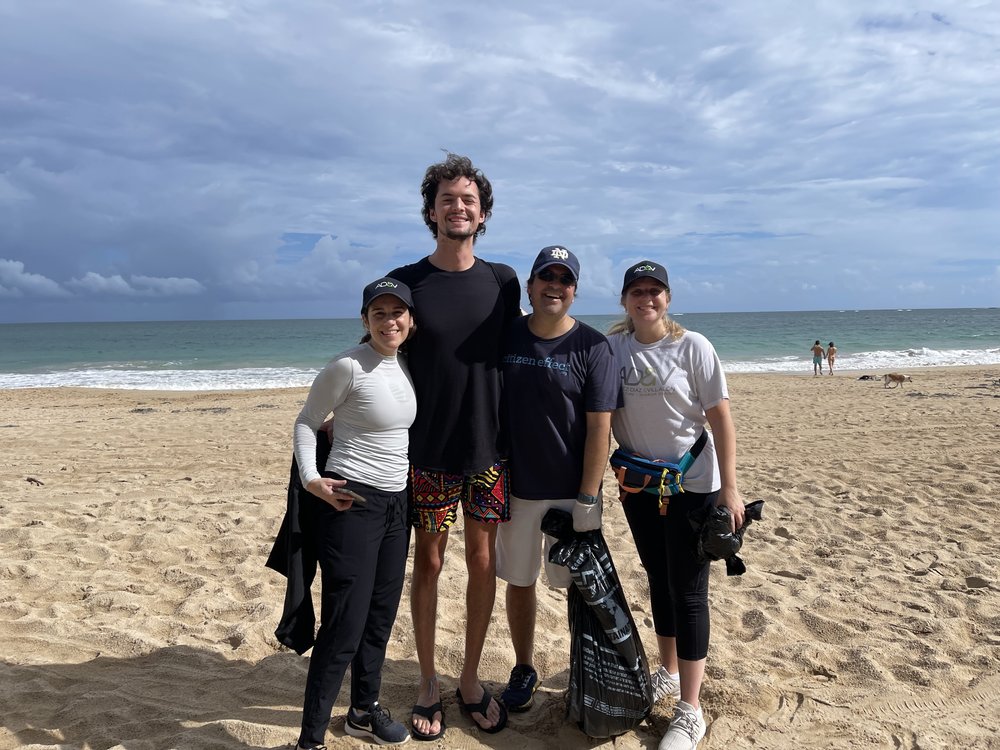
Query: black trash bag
{"x": 716, "y": 541}
{"x": 609, "y": 688}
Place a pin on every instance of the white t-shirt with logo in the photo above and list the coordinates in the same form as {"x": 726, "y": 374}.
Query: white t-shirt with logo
{"x": 668, "y": 386}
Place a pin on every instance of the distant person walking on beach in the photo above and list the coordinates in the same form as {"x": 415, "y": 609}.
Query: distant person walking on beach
{"x": 673, "y": 386}
{"x": 818, "y": 355}
{"x": 456, "y": 450}
{"x": 831, "y": 355}
{"x": 362, "y": 536}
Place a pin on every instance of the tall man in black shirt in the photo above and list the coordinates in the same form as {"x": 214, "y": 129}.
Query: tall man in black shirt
{"x": 456, "y": 455}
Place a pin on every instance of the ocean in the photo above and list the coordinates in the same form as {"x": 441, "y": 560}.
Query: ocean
{"x": 248, "y": 354}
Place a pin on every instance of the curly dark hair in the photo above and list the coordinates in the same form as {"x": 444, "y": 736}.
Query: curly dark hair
{"x": 452, "y": 167}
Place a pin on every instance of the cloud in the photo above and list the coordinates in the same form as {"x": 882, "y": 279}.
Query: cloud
{"x": 16, "y": 282}
{"x": 168, "y": 287}
{"x": 136, "y": 286}
{"x": 232, "y": 156}
{"x": 94, "y": 283}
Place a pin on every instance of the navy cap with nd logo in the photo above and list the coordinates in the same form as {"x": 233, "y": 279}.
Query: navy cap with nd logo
{"x": 553, "y": 254}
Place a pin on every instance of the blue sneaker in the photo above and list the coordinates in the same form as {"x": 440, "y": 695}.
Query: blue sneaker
{"x": 376, "y": 725}
{"x": 520, "y": 691}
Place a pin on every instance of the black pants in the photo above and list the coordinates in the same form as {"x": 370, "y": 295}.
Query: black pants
{"x": 362, "y": 557}
{"x": 678, "y": 583}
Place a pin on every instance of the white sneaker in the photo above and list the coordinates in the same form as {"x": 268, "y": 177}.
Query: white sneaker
{"x": 664, "y": 685}
{"x": 686, "y": 729}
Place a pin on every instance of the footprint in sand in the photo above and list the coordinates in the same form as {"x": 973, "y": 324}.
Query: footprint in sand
{"x": 921, "y": 563}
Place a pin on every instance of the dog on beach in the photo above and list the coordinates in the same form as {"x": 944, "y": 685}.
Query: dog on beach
{"x": 892, "y": 379}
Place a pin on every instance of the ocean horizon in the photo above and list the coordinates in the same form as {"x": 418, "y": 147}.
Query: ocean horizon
{"x": 251, "y": 354}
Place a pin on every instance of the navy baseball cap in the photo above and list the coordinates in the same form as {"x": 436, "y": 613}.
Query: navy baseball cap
{"x": 385, "y": 285}
{"x": 553, "y": 254}
{"x": 645, "y": 268}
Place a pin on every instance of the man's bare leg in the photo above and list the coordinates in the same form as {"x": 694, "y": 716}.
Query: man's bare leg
{"x": 428, "y": 560}
{"x": 522, "y": 604}
{"x": 480, "y": 559}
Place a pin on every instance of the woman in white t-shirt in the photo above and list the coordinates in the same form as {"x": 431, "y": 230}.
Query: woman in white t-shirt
{"x": 673, "y": 385}
{"x": 361, "y": 532}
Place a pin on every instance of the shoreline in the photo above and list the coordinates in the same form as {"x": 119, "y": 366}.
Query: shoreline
{"x": 137, "y": 611}
{"x": 846, "y": 374}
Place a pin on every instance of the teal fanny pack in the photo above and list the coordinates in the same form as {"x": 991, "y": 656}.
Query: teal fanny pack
{"x": 661, "y": 478}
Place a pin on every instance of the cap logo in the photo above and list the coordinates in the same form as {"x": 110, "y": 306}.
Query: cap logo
{"x": 385, "y": 283}
{"x": 643, "y": 268}
{"x": 559, "y": 253}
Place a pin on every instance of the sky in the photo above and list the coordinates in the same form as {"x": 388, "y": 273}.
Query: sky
{"x": 244, "y": 159}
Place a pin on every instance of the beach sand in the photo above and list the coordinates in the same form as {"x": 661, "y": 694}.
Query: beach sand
{"x": 136, "y": 612}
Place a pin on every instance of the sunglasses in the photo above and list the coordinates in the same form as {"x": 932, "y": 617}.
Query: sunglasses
{"x": 566, "y": 279}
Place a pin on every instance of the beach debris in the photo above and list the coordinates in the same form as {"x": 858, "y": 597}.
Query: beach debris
{"x": 36, "y": 482}
{"x": 788, "y": 574}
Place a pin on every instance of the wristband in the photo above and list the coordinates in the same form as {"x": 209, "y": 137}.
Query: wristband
{"x": 586, "y": 499}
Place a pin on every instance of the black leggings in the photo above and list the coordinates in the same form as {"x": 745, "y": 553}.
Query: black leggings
{"x": 362, "y": 556}
{"x": 678, "y": 583}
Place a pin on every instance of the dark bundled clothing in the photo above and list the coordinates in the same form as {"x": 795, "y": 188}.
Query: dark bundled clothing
{"x": 294, "y": 555}
{"x": 717, "y": 542}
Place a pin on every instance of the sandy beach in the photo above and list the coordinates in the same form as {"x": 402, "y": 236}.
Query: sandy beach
{"x": 136, "y": 612}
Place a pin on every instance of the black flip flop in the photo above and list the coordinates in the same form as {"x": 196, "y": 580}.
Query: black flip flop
{"x": 427, "y": 712}
{"x": 481, "y": 708}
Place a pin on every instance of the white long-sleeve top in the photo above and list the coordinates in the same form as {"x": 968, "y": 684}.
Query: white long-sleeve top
{"x": 374, "y": 404}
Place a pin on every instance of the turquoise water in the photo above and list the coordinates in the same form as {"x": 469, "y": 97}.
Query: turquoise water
{"x": 230, "y": 355}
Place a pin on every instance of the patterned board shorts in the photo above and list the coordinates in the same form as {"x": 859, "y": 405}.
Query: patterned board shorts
{"x": 435, "y": 497}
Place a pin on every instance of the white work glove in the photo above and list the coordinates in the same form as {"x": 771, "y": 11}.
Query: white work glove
{"x": 587, "y": 513}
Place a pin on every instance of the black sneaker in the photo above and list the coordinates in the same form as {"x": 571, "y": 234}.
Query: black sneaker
{"x": 520, "y": 691}
{"x": 377, "y": 725}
